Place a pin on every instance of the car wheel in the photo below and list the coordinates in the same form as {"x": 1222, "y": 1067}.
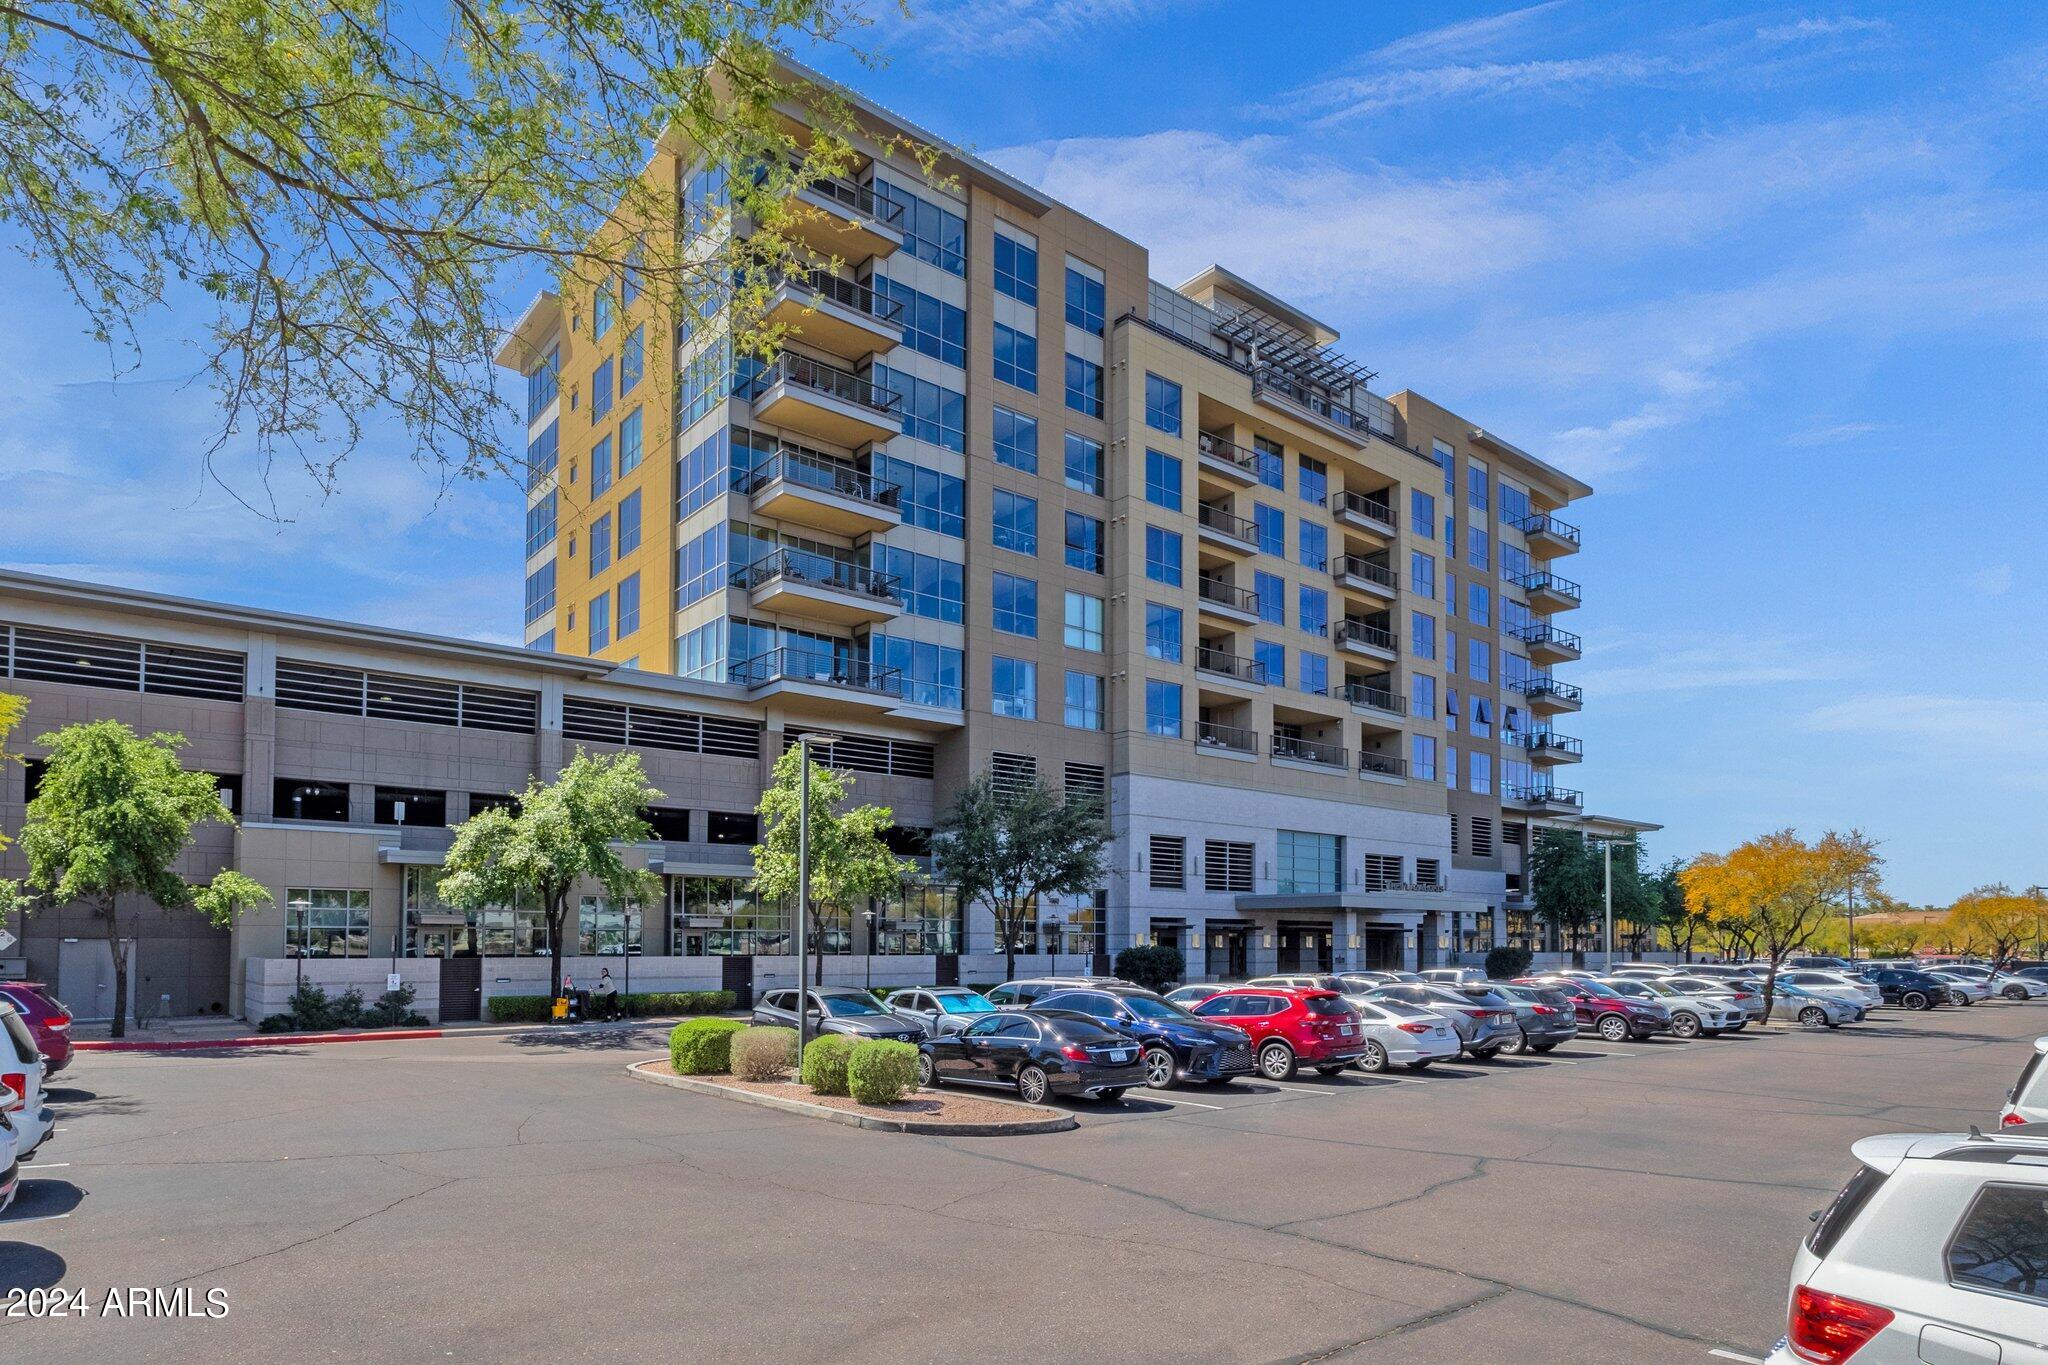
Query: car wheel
{"x": 1159, "y": 1068}
{"x": 1916, "y": 1000}
{"x": 1542, "y": 1047}
{"x": 1276, "y": 1062}
{"x": 1519, "y": 1046}
{"x": 1374, "y": 1058}
{"x": 1031, "y": 1085}
{"x": 1612, "y": 1027}
{"x": 1958, "y": 998}
{"x": 927, "y": 1074}
{"x": 1113, "y": 1095}
{"x": 1813, "y": 1015}
{"x": 2014, "y": 992}
{"x": 1685, "y": 1025}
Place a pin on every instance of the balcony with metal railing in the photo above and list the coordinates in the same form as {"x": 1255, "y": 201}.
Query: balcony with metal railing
{"x": 819, "y": 588}
{"x": 840, "y": 316}
{"x": 822, "y": 681}
{"x": 1543, "y": 799}
{"x": 1240, "y": 606}
{"x": 803, "y": 394}
{"x": 1295, "y": 749}
{"x": 1550, "y": 749}
{"x": 1549, "y": 696}
{"x": 1365, "y": 512}
{"x": 1224, "y": 530}
{"x": 1380, "y": 700}
{"x": 1231, "y": 739}
{"x": 1361, "y": 637}
{"x": 1221, "y": 456}
{"x": 843, "y": 219}
{"x": 1372, "y": 764}
{"x": 1367, "y": 577}
{"x": 1547, "y": 592}
{"x": 1547, "y": 644}
{"x": 1221, "y": 664}
{"x": 810, "y": 489}
{"x": 1547, "y": 536}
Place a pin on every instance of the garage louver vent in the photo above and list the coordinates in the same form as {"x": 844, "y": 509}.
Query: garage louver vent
{"x": 870, "y": 754}
{"x": 64, "y": 656}
{"x": 304, "y": 686}
{"x": 654, "y": 727}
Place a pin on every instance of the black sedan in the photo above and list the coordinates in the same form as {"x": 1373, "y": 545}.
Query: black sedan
{"x": 839, "y": 1009}
{"x": 1913, "y": 990}
{"x": 1036, "y": 1052}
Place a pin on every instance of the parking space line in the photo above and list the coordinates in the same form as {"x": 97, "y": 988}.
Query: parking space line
{"x": 34, "y": 1218}
{"x": 1302, "y": 1089}
{"x": 1736, "y": 1355}
{"x": 1195, "y": 1104}
{"x": 30, "y": 1168}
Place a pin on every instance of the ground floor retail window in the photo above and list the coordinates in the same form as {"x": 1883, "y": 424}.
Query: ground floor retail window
{"x": 925, "y": 919}
{"x": 604, "y": 930}
{"x": 726, "y": 917}
{"x": 326, "y": 923}
{"x": 1475, "y": 932}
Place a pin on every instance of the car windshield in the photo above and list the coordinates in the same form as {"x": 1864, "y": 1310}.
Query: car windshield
{"x": 966, "y": 1002}
{"x": 1147, "y": 1007}
{"x": 1635, "y": 988}
{"x": 1656, "y": 987}
{"x": 1081, "y": 1030}
{"x": 846, "y": 1006}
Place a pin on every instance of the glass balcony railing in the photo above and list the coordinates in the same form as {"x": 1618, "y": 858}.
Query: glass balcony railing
{"x": 815, "y": 471}
{"x": 815, "y": 570}
{"x": 791, "y": 663}
{"x": 803, "y": 372}
{"x": 849, "y": 294}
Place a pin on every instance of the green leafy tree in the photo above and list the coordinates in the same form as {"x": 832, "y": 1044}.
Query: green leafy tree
{"x": 1565, "y": 874}
{"x": 350, "y": 187}
{"x": 559, "y": 835}
{"x": 113, "y": 814}
{"x": 1638, "y": 902}
{"x": 1005, "y": 845}
{"x": 850, "y": 862}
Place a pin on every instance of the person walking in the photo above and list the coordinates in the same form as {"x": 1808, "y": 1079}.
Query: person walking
{"x": 607, "y": 995}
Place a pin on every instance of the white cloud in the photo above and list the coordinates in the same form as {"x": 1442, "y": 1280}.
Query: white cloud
{"x": 1462, "y": 38}
{"x": 1805, "y": 29}
{"x": 1837, "y": 434}
{"x": 1988, "y": 734}
{"x": 1654, "y": 664}
{"x": 976, "y": 28}
{"x": 1346, "y": 98}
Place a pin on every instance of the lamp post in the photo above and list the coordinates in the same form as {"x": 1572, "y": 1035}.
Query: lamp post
{"x": 1051, "y": 929}
{"x": 871, "y": 916}
{"x": 803, "y": 887}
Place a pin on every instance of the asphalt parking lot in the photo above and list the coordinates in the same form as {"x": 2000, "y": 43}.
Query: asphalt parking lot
{"x": 521, "y": 1198}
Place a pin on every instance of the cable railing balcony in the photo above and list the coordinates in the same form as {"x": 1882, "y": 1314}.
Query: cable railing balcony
{"x": 1210, "y": 659}
{"x": 848, "y": 294}
{"x": 1543, "y": 633}
{"x": 1382, "y": 765}
{"x": 1228, "y": 595}
{"x": 1238, "y": 740}
{"x": 1366, "y": 570}
{"x": 1219, "y": 519}
{"x": 1540, "y": 794}
{"x": 1542, "y": 580}
{"x": 816, "y": 571}
{"x": 791, "y": 663}
{"x": 1228, "y": 452}
{"x": 806, "y": 373}
{"x": 1350, "y": 632}
{"x": 815, "y": 471}
{"x": 1298, "y": 750}
{"x": 1544, "y": 524}
{"x": 1363, "y": 505}
{"x": 1373, "y": 698}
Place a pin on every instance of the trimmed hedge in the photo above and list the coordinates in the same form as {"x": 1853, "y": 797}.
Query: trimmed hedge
{"x": 534, "y": 1009}
{"x": 702, "y": 1047}
{"x": 763, "y": 1053}
{"x": 1505, "y": 963}
{"x": 824, "y": 1068}
{"x": 1152, "y": 965}
{"x": 880, "y": 1072}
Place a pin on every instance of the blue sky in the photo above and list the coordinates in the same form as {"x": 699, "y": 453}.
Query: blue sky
{"x": 1772, "y": 279}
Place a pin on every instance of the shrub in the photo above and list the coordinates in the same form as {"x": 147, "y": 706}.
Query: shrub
{"x": 276, "y": 1023}
{"x": 391, "y": 1009}
{"x": 1505, "y": 963}
{"x": 824, "y": 1069}
{"x": 521, "y": 1009}
{"x": 310, "y": 1008}
{"x": 881, "y": 1072}
{"x": 703, "y": 1047}
{"x": 763, "y": 1054}
{"x": 1153, "y": 965}
{"x": 347, "y": 1009}
{"x": 677, "y": 1002}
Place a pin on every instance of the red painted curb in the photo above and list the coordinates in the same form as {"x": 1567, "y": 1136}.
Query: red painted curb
{"x": 259, "y": 1040}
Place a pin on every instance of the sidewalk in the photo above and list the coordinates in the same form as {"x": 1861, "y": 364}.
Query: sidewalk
{"x": 209, "y": 1031}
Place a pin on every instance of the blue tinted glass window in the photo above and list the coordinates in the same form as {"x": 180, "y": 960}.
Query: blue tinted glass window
{"x": 1162, "y": 555}
{"x": 1015, "y": 602}
{"x": 1016, "y": 270}
{"x": 1162, "y": 404}
{"x": 1163, "y": 632}
{"x": 1272, "y": 524}
{"x": 1016, "y": 361}
{"x": 1272, "y": 592}
{"x": 1162, "y": 480}
{"x": 1084, "y": 464}
{"x": 1084, "y": 386}
{"x": 1016, "y": 437}
{"x": 1016, "y": 522}
{"x": 1085, "y": 304}
{"x": 1162, "y": 708}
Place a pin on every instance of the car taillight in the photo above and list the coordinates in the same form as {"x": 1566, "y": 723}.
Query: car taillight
{"x": 59, "y": 1024}
{"x": 1073, "y": 1053}
{"x": 16, "y": 1084}
{"x": 1545, "y": 1009}
{"x": 2010, "y": 1121}
{"x": 1479, "y": 1014}
{"x": 1826, "y": 1328}
{"x": 1414, "y": 1028}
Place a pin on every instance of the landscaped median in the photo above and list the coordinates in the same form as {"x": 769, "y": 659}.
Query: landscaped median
{"x": 869, "y": 1084}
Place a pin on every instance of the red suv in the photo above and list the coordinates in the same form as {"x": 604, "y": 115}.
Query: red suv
{"x": 1290, "y": 1026}
{"x": 1615, "y": 1017}
{"x": 47, "y": 1019}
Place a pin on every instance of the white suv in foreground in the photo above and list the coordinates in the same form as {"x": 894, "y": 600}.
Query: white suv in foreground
{"x": 2027, "y": 1101}
{"x": 1934, "y": 1251}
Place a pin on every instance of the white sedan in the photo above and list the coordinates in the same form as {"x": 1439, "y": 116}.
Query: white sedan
{"x": 1798, "y": 1005}
{"x": 1932, "y": 1252}
{"x": 2007, "y": 984}
{"x": 1400, "y": 1034}
{"x": 1963, "y": 990}
{"x": 1835, "y": 986}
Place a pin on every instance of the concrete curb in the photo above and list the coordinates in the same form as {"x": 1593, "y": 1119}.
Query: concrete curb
{"x": 367, "y": 1036}
{"x": 872, "y": 1122}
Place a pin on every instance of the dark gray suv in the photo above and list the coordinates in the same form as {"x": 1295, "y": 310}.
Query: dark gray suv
{"x": 839, "y": 1009}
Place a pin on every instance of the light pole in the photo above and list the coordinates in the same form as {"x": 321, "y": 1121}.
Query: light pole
{"x": 1607, "y": 897}
{"x": 803, "y": 887}
{"x": 1051, "y": 929}
{"x": 871, "y": 916}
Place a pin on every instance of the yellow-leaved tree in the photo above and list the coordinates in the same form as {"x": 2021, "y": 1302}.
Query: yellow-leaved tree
{"x": 1995, "y": 920}
{"x": 1777, "y": 890}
